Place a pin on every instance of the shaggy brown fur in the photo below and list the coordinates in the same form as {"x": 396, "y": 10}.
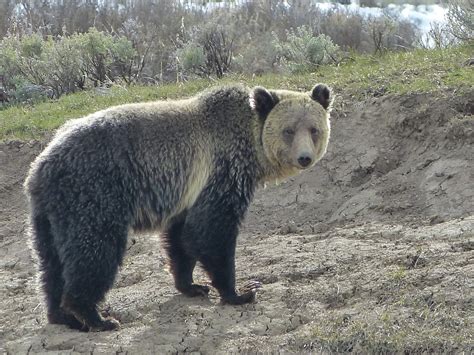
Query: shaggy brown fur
{"x": 188, "y": 168}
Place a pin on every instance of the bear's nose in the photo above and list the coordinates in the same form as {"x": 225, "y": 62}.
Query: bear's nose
{"x": 304, "y": 160}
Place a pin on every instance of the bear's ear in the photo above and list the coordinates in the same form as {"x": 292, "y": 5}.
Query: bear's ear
{"x": 322, "y": 94}
{"x": 261, "y": 101}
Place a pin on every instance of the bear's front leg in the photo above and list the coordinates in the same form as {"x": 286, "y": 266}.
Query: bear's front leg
{"x": 214, "y": 242}
{"x": 221, "y": 269}
{"x": 211, "y": 229}
{"x": 214, "y": 247}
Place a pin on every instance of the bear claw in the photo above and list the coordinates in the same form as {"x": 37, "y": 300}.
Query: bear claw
{"x": 252, "y": 285}
{"x": 248, "y": 296}
{"x": 107, "y": 324}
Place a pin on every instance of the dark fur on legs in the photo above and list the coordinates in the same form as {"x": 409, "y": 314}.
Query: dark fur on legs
{"x": 90, "y": 272}
{"x": 220, "y": 267}
{"x": 87, "y": 314}
{"x": 210, "y": 230}
{"x": 182, "y": 261}
{"x": 75, "y": 285}
{"x": 207, "y": 233}
{"x": 51, "y": 269}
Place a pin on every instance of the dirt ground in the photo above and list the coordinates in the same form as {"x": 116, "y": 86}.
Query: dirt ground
{"x": 372, "y": 250}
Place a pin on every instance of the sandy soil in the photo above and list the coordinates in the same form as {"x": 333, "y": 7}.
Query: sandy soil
{"x": 372, "y": 250}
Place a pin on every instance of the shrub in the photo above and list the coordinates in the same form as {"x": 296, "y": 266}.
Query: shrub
{"x": 96, "y": 48}
{"x": 380, "y": 29}
{"x": 345, "y": 28}
{"x": 461, "y": 19}
{"x": 65, "y": 74}
{"x": 32, "y": 66}
{"x": 65, "y": 64}
{"x": 256, "y": 55}
{"x": 303, "y": 51}
{"x": 191, "y": 59}
{"x": 205, "y": 51}
{"x": 23, "y": 61}
{"x": 439, "y": 36}
{"x": 388, "y": 32}
{"x": 124, "y": 60}
{"x": 32, "y": 93}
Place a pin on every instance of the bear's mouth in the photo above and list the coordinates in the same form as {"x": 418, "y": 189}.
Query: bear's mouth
{"x": 295, "y": 166}
{"x": 301, "y": 168}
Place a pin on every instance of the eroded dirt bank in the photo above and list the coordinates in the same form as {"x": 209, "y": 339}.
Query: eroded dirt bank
{"x": 373, "y": 250}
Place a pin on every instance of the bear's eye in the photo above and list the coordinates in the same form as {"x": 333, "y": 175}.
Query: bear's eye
{"x": 314, "y": 130}
{"x": 288, "y": 132}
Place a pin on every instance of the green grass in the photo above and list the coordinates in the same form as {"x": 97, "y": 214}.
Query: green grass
{"x": 410, "y": 321}
{"x": 33, "y": 121}
{"x": 356, "y": 78}
{"x": 391, "y": 332}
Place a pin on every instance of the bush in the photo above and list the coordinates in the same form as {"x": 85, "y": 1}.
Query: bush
{"x": 105, "y": 57}
{"x": 380, "y": 29}
{"x": 32, "y": 66}
{"x": 24, "y": 61}
{"x": 96, "y": 48}
{"x": 461, "y": 19}
{"x": 32, "y": 93}
{"x": 345, "y": 28}
{"x": 439, "y": 36}
{"x": 191, "y": 59}
{"x": 205, "y": 51}
{"x": 127, "y": 64}
{"x": 388, "y": 32}
{"x": 303, "y": 51}
{"x": 65, "y": 64}
{"x": 257, "y": 55}
{"x": 65, "y": 72}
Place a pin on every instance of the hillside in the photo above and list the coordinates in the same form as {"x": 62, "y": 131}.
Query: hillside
{"x": 370, "y": 251}
{"x": 354, "y": 79}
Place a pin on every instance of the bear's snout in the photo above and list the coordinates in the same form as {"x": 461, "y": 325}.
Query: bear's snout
{"x": 305, "y": 160}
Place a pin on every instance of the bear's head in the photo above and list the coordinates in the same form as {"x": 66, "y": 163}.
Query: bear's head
{"x": 296, "y": 126}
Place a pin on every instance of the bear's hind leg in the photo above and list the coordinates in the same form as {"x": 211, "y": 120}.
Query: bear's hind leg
{"x": 51, "y": 272}
{"x": 91, "y": 263}
{"x": 182, "y": 264}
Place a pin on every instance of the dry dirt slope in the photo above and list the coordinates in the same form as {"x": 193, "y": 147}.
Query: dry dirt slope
{"x": 373, "y": 250}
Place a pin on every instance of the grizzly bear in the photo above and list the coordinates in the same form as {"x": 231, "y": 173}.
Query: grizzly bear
{"x": 187, "y": 168}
